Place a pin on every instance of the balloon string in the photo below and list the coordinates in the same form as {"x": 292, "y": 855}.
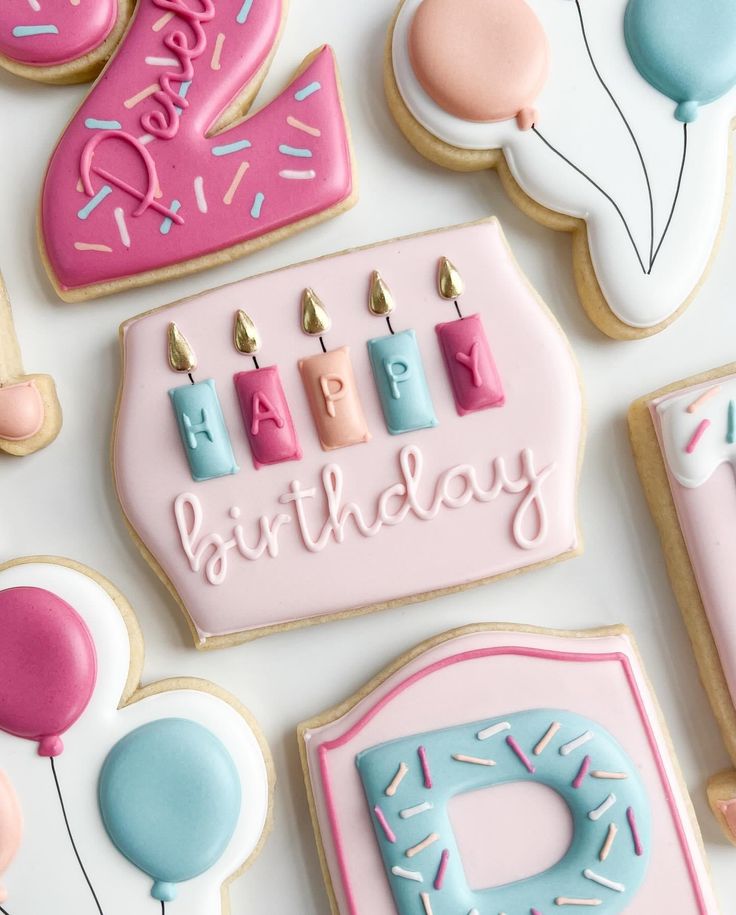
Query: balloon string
{"x": 163, "y": 907}
{"x": 677, "y": 196}
{"x": 597, "y": 186}
{"x": 4, "y": 911}
{"x": 71, "y": 837}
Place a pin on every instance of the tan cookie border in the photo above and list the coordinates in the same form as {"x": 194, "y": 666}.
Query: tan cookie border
{"x": 237, "y": 638}
{"x": 338, "y": 711}
{"x": 462, "y": 160}
{"x": 134, "y": 691}
{"x": 653, "y": 473}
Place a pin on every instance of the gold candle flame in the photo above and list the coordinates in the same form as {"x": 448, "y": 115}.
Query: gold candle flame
{"x": 315, "y": 320}
{"x": 449, "y": 281}
{"x": 246, "y": 337}
{"x": 182, "y": 357}
{"x": 380, "y": 300}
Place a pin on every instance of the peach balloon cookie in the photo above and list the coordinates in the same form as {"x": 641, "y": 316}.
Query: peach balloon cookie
{"x": 684, "y": 440}
{"x": 277, "y": 437}
{"x": 504, "y": 769}
{"x": 607, "y": 120}
{"x": 160, "y": 173}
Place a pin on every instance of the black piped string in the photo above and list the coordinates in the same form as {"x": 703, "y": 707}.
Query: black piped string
{"x": 623, "y": 117}
{"x": 163, "y": 907}
{"x": 677, "y": 195}
{"x": 71, "y": 837}
{"x": 4, "y": 911}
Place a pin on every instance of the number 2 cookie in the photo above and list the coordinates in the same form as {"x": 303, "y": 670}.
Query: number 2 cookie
{"x": 159, "y": 173}
{"x": 60, "y": 41}
{"x": 610, "y": 121}
{"x": 500, "y": 769}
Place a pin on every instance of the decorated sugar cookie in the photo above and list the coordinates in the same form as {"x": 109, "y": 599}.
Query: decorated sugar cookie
{"x": 60, "y": 41}
{"x": 11, "y": 828}
{"x": 607, "y": 120}
{"x": 684, "y": 439}
{"x": 427, "y": 787}
{"x": 410, "y": 400}
{"x": 160, "y": 173}
{"x": 30, "y": 415}
{"x": 155, "y": 796}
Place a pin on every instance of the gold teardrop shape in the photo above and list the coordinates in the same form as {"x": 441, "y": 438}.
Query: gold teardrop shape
{"x": 245, "y": 335}
{"x": 380, "y": 299}
{"x": 315, "y": 320}
{"x": 449, "y": 281}
{"x": 182, "y": 357}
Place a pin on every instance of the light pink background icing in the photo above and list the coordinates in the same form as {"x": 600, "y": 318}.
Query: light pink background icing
{"x": 188, "y": 155}
{"x": 11, "y": 827}
{"x": 493, "y": 686}
{"x": 82, "y": 26}
{"x": 706, "y": 515}
{"x": 542, "y": 412}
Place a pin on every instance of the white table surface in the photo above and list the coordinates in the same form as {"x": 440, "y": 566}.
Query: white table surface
{"x": 61, "y": 501}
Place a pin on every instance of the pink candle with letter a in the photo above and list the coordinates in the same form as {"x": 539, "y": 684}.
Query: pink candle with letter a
{"x": 474, "y": 377}
{"x": 266, "y": 415}
{"x": 332, "y": 391}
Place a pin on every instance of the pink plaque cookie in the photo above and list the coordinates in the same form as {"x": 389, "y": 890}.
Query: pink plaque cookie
{"x": 362, "y": 457}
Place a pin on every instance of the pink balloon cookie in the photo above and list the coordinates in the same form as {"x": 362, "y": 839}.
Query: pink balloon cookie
{"x": 164, "y": 790}
{"x": 359, "y": 423}
{"x": 423, "y": 785}
{"x": 684, "y": 439}
{"x": 159, "y": 175}
{"x": 60, "y": 41}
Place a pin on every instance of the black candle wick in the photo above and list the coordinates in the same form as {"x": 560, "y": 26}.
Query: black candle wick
{"x": 322, "y": 344}
{"x": 190, "y": 377}
{"x": 255, "y": 363}
{"x": 457, "y": 309}
{"x": 388, "y": 321}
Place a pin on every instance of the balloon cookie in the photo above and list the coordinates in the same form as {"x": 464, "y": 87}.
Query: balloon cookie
{"x": 376, "y": 408}
{"x": 60, "y": 41}
{"x": 610, "y": 121}
{"x": 159, "y": 173}
{"x": 30, "y": 415}
{"x": 173, "y": 778}
{"x": 684, "y": 439}
{"x": 423, "y": 786}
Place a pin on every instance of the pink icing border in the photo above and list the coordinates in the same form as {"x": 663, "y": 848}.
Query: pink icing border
{"x": 543, "y": 653}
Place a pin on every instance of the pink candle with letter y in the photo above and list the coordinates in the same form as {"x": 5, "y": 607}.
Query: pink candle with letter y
{"x": 476, "y": 383}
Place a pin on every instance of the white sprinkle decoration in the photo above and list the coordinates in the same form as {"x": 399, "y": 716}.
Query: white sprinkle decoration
{"x": 426, "y": 903}
{"x": 567, "y": 748}
{"x": 146, "y": 139}
{"x": 566, "y": 900}
{"x": 35, "y": 6}
{"x": 604, "y": 881}
{"x": 407, "y": 875}
{"x": 162, "y": 62}
{"x": 413, "y": 811}
{"x": 493, "y": 729}
{"x": 606, "y": 805}
{"x": 420, "y": 846}
{"x": 597, "y": 773}
{"x": 549, "y": 734}
{"x": 396, "y": 780}
{"x": 294, "y": 175}
{"x": 459, "y": 757}
{"x": 122, "y": 227}
{"x": 199, "y": 194}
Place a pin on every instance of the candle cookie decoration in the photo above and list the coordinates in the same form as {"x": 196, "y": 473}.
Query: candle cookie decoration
{"x": 60, "y": 43}
{"x": 684, "y": 441}
{"x": 413, "y": 781}
{"x": 159, "y": 173}
{"x": 329, "y": 382}
{"x": 397, "y": 369}
{"x": 198, "y": 412}
{"x": 640, "y": 179}
{"x": 266, "y": 415}
{"x": 469, "y": 361}
{"x": 30, "y": 414}
{"x": 288, "y": 544}
{"x": 167, "y": 788}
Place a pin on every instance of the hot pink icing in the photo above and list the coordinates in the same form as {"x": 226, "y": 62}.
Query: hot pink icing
{"x": 48, "y": 666}
{"x": 481, "y": 60}
{"x": 177, "y": 192}
{"x": 481, "y": 494}
{"x": 68, "y": 29}
{"x": 481, "y": 675}
{"x": 471, "y": 368}
{"x": 21, "y": 411}
{"x": 266, "y": 416}
{"x": 11, "y": 827}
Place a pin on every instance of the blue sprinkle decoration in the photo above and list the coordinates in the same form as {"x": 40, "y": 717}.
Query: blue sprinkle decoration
{"x": 27, "y": 31}
{"x": 295, "y": 151}
{"x": 95, "y": 201}
{"x": 230, "y": 148}
{"x": 257, "y": 205}
{"x": 96, "y": 124}
{"x": 307, "y": 91}
{"x": 167, "y": 223}
{"x": 731, "y": 436}
{"x": 244, "y": 12}
{"x": 184, "y": 88}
